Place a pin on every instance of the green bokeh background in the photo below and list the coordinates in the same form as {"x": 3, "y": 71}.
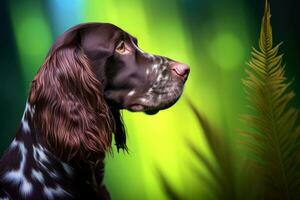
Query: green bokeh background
{"x": 213, "y": 36}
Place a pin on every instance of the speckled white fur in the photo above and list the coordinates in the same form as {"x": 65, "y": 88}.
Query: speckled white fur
{"x": 131, "y": 93}
{"x": 25, "y": 125}
{"x": 37, "y": 175}
{"x": 68, "y": 169}
{"x": 17, "y": 177}
{"x": 50, "y": 192}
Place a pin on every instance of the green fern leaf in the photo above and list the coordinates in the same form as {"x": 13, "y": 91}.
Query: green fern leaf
{"x": 274, "y": 138}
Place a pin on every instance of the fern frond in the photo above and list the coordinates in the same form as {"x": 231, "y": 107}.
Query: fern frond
{"x": 274, "y": 137}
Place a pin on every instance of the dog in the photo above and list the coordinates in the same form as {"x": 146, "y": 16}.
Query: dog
{"x": 91, "y": 72}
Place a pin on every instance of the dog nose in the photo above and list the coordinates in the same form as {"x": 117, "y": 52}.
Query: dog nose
{"x": 180, "y": 69}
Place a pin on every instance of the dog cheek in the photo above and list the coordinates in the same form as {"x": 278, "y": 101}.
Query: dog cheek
{"x": 114, "y": 97}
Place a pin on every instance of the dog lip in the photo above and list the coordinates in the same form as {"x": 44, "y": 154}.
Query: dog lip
{"x": 135, "y": 107}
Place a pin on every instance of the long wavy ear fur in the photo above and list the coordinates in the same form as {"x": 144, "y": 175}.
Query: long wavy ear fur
{"x": 71, "y": 115}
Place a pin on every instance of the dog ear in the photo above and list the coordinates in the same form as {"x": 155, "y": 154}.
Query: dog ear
{"x": 71, "y": 115}
{"x": 70, "y": 37}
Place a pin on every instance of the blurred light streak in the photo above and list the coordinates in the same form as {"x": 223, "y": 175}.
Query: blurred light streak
{"x": 123, "y": 170}
{"x": 32, "y": 33}
{"x": 65, "y": 14}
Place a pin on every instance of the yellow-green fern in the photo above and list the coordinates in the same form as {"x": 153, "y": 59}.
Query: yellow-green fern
{"x": 275, "y": 137}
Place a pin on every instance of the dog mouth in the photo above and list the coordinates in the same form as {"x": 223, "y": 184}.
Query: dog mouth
{"x": 154, "y": 103}
{"x": 150, "y": 110}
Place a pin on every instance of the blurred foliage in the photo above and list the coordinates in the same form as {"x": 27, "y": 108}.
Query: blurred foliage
{"x": 222, "y": 167}
{"x": 273, "y": 172}
{"x": 226, "y": 178}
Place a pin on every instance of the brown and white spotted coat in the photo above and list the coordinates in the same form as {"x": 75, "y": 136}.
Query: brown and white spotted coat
{"x": 91, "y": 72}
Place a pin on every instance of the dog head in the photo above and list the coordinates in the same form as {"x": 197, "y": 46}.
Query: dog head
{"x": 91, "y": 72}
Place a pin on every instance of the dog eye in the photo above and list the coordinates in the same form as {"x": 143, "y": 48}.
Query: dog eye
{"x": 121, "y": 48}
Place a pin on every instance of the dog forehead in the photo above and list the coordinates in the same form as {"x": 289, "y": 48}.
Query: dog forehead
{"x": 103, "y": 35}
